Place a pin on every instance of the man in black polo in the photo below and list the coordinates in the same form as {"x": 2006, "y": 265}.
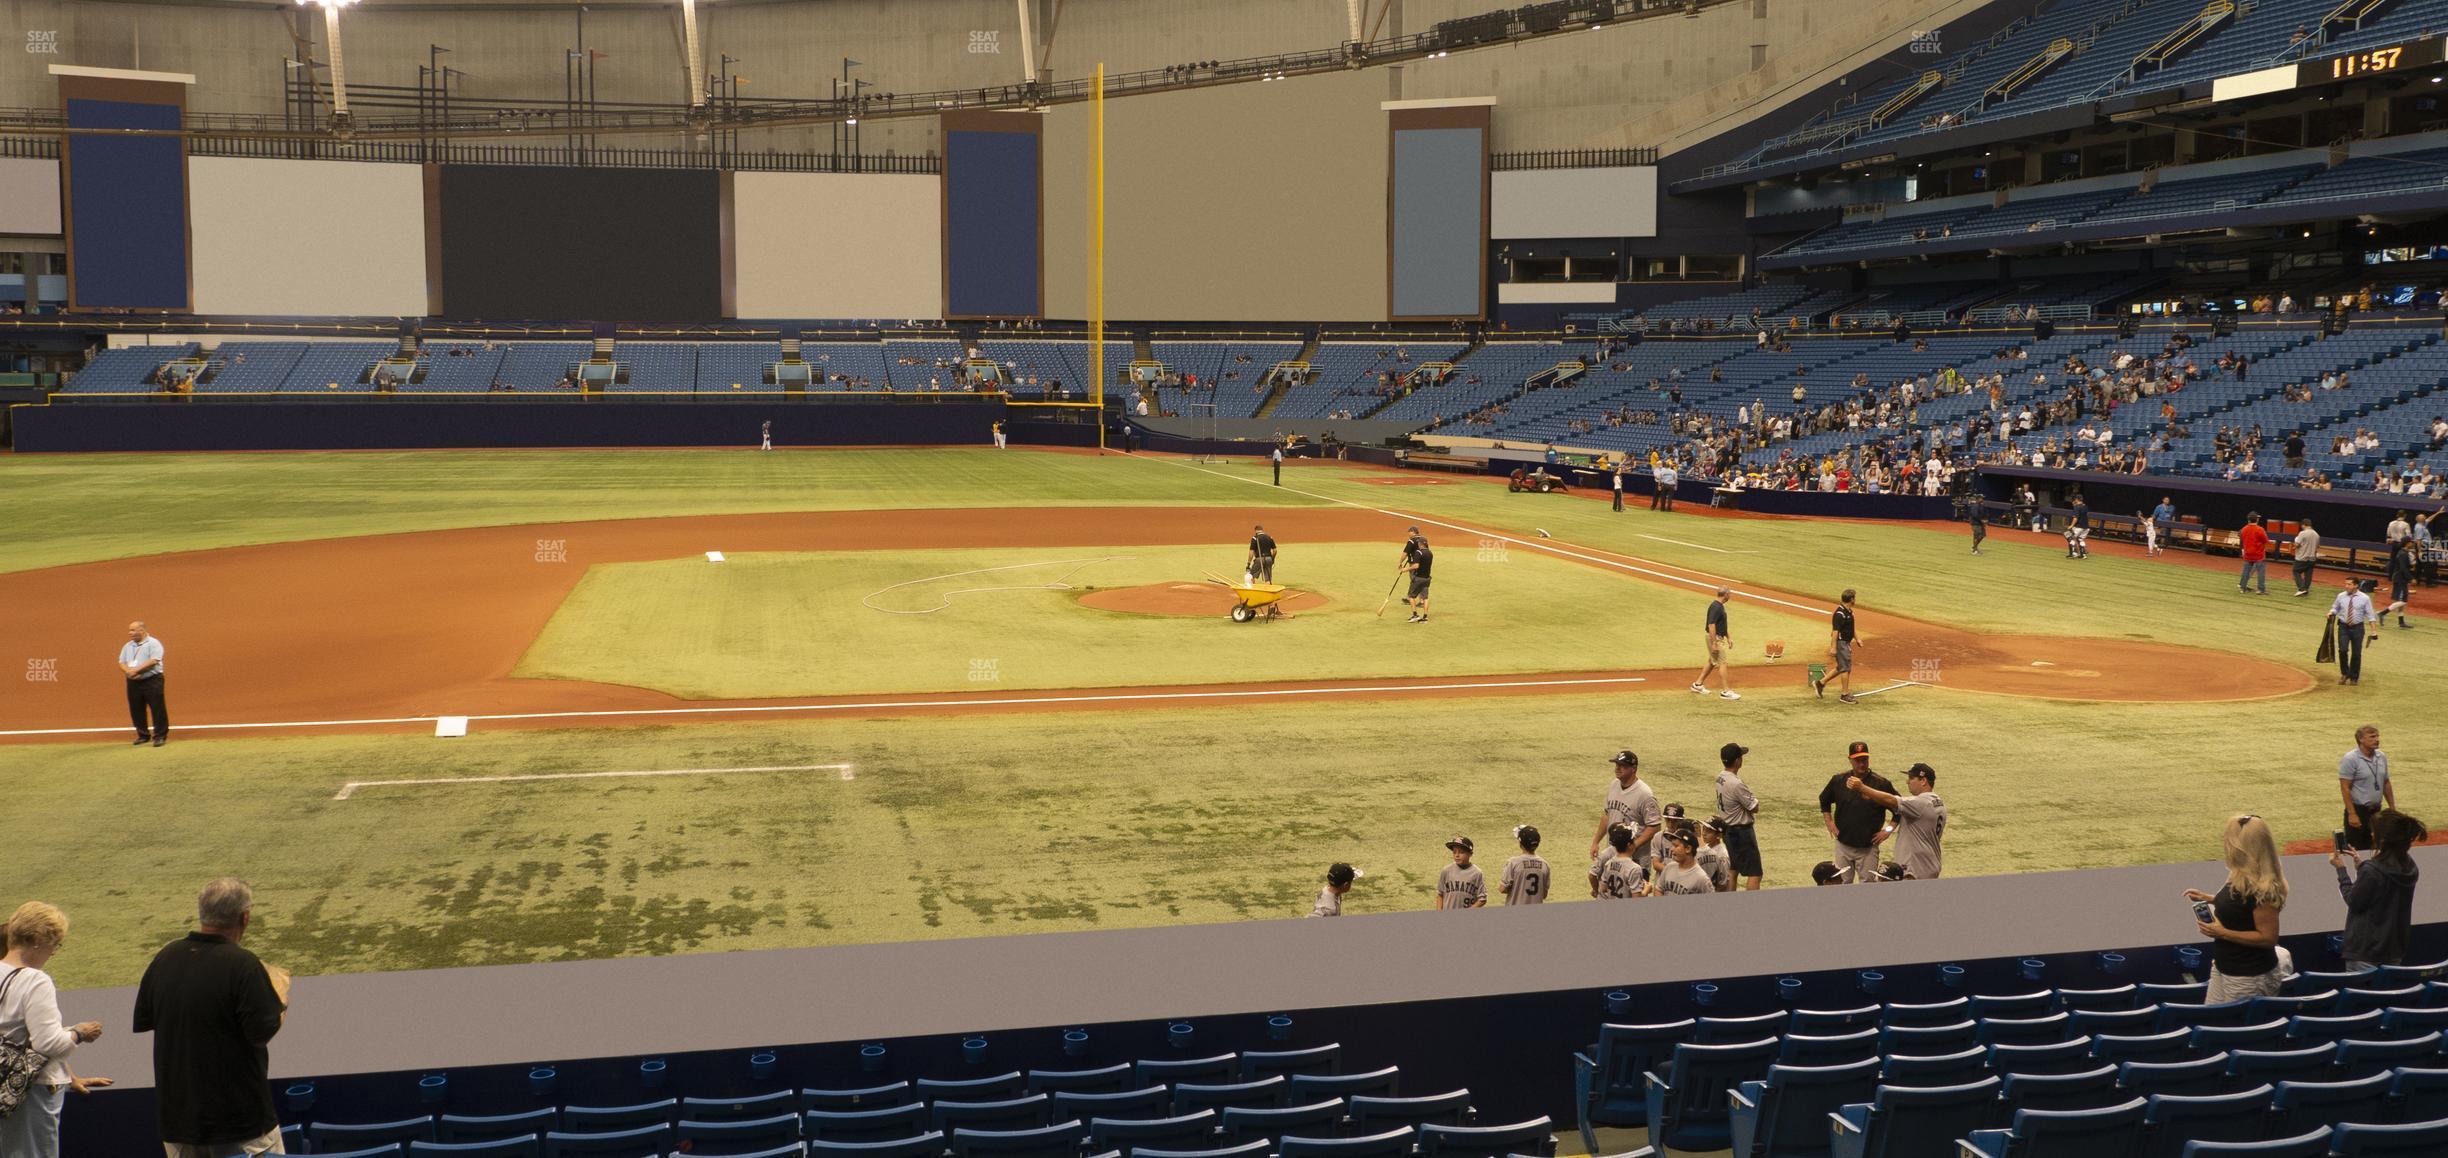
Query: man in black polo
{"x": 212, "y": 1008}
{"x": 1418, "y": 559}
{"x": 1840, "y": 649}
{"x": 1261, "y": 555}
{"x": 1857, "y": 824}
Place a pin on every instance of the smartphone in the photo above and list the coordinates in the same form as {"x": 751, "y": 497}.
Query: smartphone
{"x": 2338, "y": 838}
{"x": 2201, "y": 911}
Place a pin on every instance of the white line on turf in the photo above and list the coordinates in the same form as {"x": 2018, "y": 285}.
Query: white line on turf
{"x": 350, "y": 789}
{"x": 1694, "y": 546}
{"x": 1551, "y": 546}
{"x": 1095, "y": 698}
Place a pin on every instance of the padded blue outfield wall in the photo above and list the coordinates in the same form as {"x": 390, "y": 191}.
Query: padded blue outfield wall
{"x": 991, "y": 244}
{"x": 1513, "y": 1051}
{"x": 1438, "y": 209}
{"x": 127, "y": 207}
{"x": 388, "y": 424}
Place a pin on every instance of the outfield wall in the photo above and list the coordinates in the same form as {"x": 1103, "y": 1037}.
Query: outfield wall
{"x": 393, "y": 424}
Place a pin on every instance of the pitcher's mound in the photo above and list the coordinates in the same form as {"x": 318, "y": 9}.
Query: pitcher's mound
{"x": 1183, "y": 599}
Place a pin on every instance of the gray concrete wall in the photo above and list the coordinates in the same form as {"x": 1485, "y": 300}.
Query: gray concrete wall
{"x": 1629, "y": 85}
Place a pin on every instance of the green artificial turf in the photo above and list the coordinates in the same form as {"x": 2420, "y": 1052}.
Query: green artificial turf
{"x": 960, "y": 826}
{"x": 761, "y": 625}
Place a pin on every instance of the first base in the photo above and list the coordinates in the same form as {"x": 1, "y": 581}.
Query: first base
{"x": 448, "y": 726}
{"x": 714, "y": 557}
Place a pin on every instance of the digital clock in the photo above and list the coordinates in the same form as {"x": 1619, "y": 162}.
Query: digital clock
{"x": 2372, "y": 61}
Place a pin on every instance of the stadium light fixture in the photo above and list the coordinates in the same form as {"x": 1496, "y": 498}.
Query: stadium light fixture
{"x": 331, "y": 34}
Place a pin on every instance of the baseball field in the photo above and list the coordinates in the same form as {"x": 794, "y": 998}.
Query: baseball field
{"x": 945, "y": 693}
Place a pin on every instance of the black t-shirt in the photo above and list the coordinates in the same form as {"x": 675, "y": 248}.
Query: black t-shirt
{"x": 2295, "y": 446}
{"x": 1717, "y": 619}
{"x": 2234, "y": 912}
{"x": 212, "y": 1011}
{"x": 1842, "y": 621}
{"x": 2082, "y": 516}
{"x": 1262, "y": 544}
{"x": 1421, "y": 559}
{"x": 1857, "y": 820}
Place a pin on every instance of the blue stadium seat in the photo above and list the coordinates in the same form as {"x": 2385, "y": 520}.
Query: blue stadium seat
{"x": 787, "y": 1150}
{"x": 1535, "y": 1138}
{"x": 2107, "y": 1000}
{"x": 1730, "y": 1030}
{"x": 293, "y": 1139}
{"x": 2088, "y": 1090}
{"x": 1946, "y": 1069}
{"x": 487, "y": 1127}
{"x": 2064, "y": 1057}
{"x": 1827, "y": 1022}
{"x": 1901, "y": 1121}
{"x": 2102, "y": 1132}
{"x": 2357, "y": 1058}
{"x": 2410, "y": 974}
{"x": 2355, "y": 1000}
{"x": 1384, "y": 1083}
{"x": 2400, "y": 1021}
{"x": 927, "y": 1145}
{"x": 1801, "y": 1049}
{"x": 2264, "y": 1035}
{"x": 522, "y": 1146}
{"x": 2159, "y": 1047}
{"x": 1929, "y": 1039}
{"x": 650, "y": 1141}
{"x": 1928, "y": 1013}
{"x": 2042, "y": 1030}
{"x": 1112, "y": 1079}
{"x": 868, "y": 1098}
{"x": 1186, "y": 1132}
{"x": 1784, "y": 1115}
{"x": 2315, "y": 1030}
{"x": 2187, "y": 1015}
{"x": 2312, "y": 1145}
{"x": 2031, "y": 1004}
{"x": 2410, "y": 1140}
{"x": 1221, "y": 1067}
{"x": 2250, "y": 1066}
{"x": 2316, "y": 981}
{"x": 2420, "y": 1094}
{"x": 1607, "y": 1085}
{"x": 1060, "y": 1140}
{"x": 1001, "y": 1114}
{"x": 1321, "y": 1059}
{"x": 349, "y": 1136}
{"x": 600, "y": 1119}
{"x": 2200, "y": 1077}
{"x": 2176, "y": 1121}
{"x": 1257, "y": 1149}
{"x": 998, "y": 1088}
{"x": 876, "y": 1125}
{"x": 1189, "y": 1096}
{"x": 1242, "y": 1123}
{"x": 737, "y": 1136}
{"x": 2296, "y": 1107}
{"x": 740, "y": 1108}
{"x": 386, "y": 1150}
{"x": 2292, "y": 1005}
{"x": 1689, "y": 1103}
{"x": 1152, "y": 1102}
{"x": 1388, "y": 1144}
{"x": 2162, "y": 992}
{"x": 1447, "y": 1109}
{"x": 2119, "y": 1021}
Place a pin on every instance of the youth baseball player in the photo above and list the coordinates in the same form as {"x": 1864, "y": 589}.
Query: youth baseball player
{"x": 1461, "y": 885}
{"x": 1616, "y": 876}
{"x": 1920, "y": 820}
{"x": 1681, "y": 875}
{"x": 1338, "y": 882}
{"x": 1737, "y": 816}
{"x": 1527, "y": 876}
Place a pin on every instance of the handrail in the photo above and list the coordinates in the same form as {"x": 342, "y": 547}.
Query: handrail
{"x": 2027, "y": 72}
{"x": 2184, "y": 36}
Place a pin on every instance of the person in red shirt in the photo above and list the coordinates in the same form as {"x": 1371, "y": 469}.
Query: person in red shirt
{"x": 2255, "y": 542}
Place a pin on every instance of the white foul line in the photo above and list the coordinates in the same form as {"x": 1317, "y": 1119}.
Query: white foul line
{"x": 350, "y": 789}
{"x": 1093, "y": 698}
{"x": 1693, "y": 546}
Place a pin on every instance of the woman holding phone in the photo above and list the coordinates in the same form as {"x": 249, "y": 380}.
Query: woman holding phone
{"x": 2380, "y": 892}
{"x": 2243, "y": 915}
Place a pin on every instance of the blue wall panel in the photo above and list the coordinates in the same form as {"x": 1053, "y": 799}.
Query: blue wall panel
{"x": 992, "y": 249}
{"x": 1439, "y": 224}
{"x": 127, "y": 208}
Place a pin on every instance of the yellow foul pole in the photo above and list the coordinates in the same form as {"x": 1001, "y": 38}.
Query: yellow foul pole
{"x": 1096, "y": 250}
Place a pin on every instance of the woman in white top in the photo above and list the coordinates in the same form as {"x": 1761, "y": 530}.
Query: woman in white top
{"x": 29, "y": 1013}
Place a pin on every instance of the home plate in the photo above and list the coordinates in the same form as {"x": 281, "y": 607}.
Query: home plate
{"x": 714, "y": 557}
{"x": 447, "y": 726}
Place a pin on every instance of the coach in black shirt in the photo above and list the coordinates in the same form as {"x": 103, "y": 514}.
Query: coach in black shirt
{"x": 1858, "y": 825}
{"x": 212, "y": 1009}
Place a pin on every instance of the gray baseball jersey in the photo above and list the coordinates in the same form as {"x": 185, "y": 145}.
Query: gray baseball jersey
{"x": 1735, "y": 803}
{"x": 1526, "y": 880}
{"x": 1920, "y": 824}
{"x": 1461, "y": 886}
{"x": 1329, "y": 903}
{"x": 1720, "y": 866}
{"x": 1635, "y": 808}
{"x": 1675, "y": 880}
{"x": 1620, "y": 878}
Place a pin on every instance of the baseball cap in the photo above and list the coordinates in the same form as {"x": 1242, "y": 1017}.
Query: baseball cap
{"x": 1627, "y": 756}
{"x": 1731, "y": 753}
{"x": 1461, "y": 842}
{"x": 1341, "y": 874}
{"x": 1857, "y": 749}
{"x": 1683, "y": 837}
{"x": 1527, "y": 834}
{"x": 1673, "y": 810}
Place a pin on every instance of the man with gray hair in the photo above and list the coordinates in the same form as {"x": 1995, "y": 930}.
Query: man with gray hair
{"x": 212, "y": 1008}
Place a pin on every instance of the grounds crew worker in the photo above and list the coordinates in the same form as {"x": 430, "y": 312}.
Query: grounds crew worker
{"x": 1261, "y": 555}
{"x": 1417, "y": 559}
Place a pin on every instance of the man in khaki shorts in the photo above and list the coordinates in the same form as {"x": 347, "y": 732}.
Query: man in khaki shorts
{"x": 1713, "y": 636}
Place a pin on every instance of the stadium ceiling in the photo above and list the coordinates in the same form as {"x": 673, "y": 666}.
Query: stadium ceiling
{"x": 394, "y": 114}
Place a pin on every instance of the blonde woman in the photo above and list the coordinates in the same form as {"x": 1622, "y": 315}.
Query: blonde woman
{"x": 2243, "y": 924}
{"x": 29, "y": 1013}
